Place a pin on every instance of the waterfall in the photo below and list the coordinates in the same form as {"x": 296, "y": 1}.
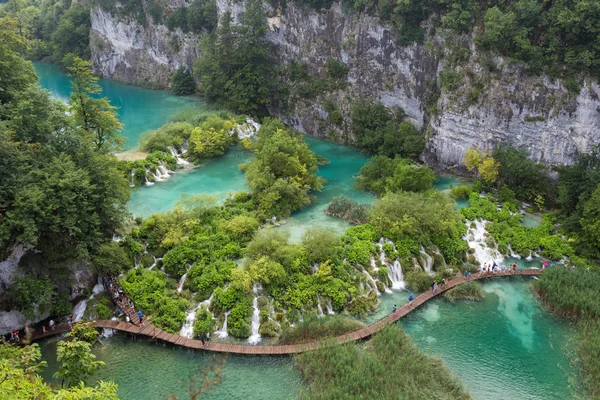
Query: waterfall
{"x": 116, "y": 238}
{"x": 181, "y": 282}
{"x": 80, "y": 308}
{"x": 255, "y": 336}
{"x": 319, "y": 308}
{"x": 247, "y": 129}
{"x": 427, "y": 260}
{"x": 315, "y": 268}
{"x": 329, "y": 307}
{"x": 371, "y": 282}
{"x": 107, "y": 332}
{"x": 396, "y": 276}
{"x": 187, "y": 330}
{"x": 132, "y": 184}
{"x": 156, "y": 175}
{"x": 530, "y": 256}
{"x": 222, "y": 333}
{"x": 180, "y": 160}
{"x": 511, "y": 253}
{"x": 156, "y": 260}
{"x": 148, "y": 183}
{"x": 475, "y": 237}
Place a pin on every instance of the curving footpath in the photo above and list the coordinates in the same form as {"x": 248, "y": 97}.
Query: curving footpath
{"x": 153, "y": 332}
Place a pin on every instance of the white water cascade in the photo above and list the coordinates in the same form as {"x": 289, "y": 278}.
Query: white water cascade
{"x": 247, "y": 130}
{"x": 371, "y": 282}
{"x": 475, "y": 237}
{"x": 80, "y": 308}
{"x": 427, "y": 260}
{"x": 255, "y": 336}
{"x": 180, "y": 160}
{"x": 319, "y": 308}
{"x": 222, "y": 333}
{"x": 148, "y": 183}
{"x": 132, "y": 184}
{"x": 396, "y": 276}
{"x": 511, "y": 253}
{"x": 182, "y": 281}
{"x": 329, "y": 307}
{"x": 187, "y": 330}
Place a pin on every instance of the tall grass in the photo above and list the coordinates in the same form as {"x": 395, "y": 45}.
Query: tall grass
{"x": 467, "y": 291}
{"x": 314, "y": 328}
{"x": 390, "y": 366}
{"x": 576, "y": 294}
{"x": 195, "y": 116}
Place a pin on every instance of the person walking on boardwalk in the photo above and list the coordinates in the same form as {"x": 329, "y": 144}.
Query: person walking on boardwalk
{"x": 141, "y": 317}
{"x": 51, "y": 324}
{"x": 44, "y": 329}
{"x": 410, "y": 299}
{"x": 207, "y": 337}
{"x": 394, "y": 308}
{"x": 202, "y": 339}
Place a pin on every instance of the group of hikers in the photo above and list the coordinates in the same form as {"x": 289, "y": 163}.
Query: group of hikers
{"x": 120, "y": 298}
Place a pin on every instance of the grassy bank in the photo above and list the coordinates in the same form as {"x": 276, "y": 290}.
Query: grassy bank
{"x": 314, "y": 328}
{"x": 467, "y": 291}
{"x": 389, "y": 366}
{"x": 574, "y": 294}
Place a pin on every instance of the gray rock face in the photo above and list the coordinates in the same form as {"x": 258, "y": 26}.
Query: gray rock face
{"x": 534, "y": 112}
{"x": 9, "y": 268}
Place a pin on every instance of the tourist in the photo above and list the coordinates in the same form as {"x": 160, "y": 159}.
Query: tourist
{"x": 202, "y": 339}
{"x": 207, "y": 337}
{"x": 127, "y": 319}
{"x": 16, "y": 335}
{"x": 44, "y": 329}
{"x": 51, "y": 324}
{"x": 141, "y": 317}
{"x": 435, "y": 286}
{"x": 394, "y": 309}
{"x": 410, "y": 299}
{"x": 468, "y": 275}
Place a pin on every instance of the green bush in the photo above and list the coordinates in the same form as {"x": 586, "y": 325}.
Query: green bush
{"x": 182, "y": 82}
{"x": 418, "y": 281}
{"x": 104, "y": 309}
{"x": 460, "y": 192}
{"x": 32, "y": 296}
{"x": 204, "y": 323}
{"x": 351, "y": 210}
{"x": 466, "y": 291}
{"x": 169, "y": 135}
{"x": 269, "y": 328}
{"x": 238, "y": 323}
{"x": 382, "y": 175}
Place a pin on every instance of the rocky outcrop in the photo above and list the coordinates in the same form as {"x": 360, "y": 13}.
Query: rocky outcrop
{"x": 534, "y": 112}
{"x": 9, "y": 268}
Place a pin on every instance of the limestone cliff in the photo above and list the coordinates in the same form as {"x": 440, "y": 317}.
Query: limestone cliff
{"x": 535, "y": 112}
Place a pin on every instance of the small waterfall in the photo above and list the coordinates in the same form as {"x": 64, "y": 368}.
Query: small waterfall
{"x": 181, "y": 282}
{"x": 222, "y": 333}
{"x": 315, "y": 268}
{"x": 107, "y": 333}
{"x": 319, "y": 308}
{"x": 180, "y": 160}
{"x": 148, "y": 183}
{"x": 157, "y": 176}
{"x": 371, "y": 282}
{"x": 511, "y": 253}
{"x": 427, "y": 260}
{"x": 164, "y": 171}
{"x": 132, "y": 184}
{"x": 187, "y": 330}
{"x": 80, "y": 308}
{"x": 116, "y": 238}
{"x": 475, "y": 237}
{"x": 530, "y": 256}
{"x": 255, "y": 336}
{"x": 396, "y": 276}
{"x": 156, "y": 260}
{"x": 329, "y": 307}
{"x": 247, "y": 129}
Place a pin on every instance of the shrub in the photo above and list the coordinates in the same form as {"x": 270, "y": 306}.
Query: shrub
{"x": 467, "y": 291}
{"x": 182, "y": 82}
{"x": 204, "y": 323}
{"x": 418, "y": 280}
{"x": 315, "y": 329}
{"x": 460, "y": 192}
{"x": 238, "y": 323}
{"x": 269, "y": 328}
{"x": 351, "y": 210}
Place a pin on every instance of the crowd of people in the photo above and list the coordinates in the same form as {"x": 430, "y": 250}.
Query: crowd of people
{"x": 119, "y": 297}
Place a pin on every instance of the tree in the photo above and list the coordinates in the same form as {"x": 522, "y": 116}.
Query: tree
{"x": 590, "y": 223}
{"x": 182, "y": 82}
{"x": 382, "y": 174}
{"x": 235, "y": 69}
{"x": 84, "y": 331}
{"x": 321, "y": 244}
{"x": 111, "y": 257}
{"x": 76, "y": 362}
{"x": 96, "y": 115}
{"x": 484, "y": 165}
{"x": 283, "y": 172}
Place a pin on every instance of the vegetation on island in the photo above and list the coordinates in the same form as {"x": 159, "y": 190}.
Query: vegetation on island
{"x": 373, "y": 370}
{"x": 467, "y": 291}
{"x": 313, "y": 329}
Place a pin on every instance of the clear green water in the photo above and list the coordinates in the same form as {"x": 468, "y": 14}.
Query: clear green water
{"x": 503, "y": 347}
{"x": 140, "y": 110}
{"x": 145, "y": 371}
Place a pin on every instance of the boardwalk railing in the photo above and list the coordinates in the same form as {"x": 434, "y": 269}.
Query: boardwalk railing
{"x": 153, "y": 332}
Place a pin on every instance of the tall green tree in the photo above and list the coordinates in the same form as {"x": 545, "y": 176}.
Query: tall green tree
{"x": 96, "y": 115}
{"x": 235, "y": 67}
{"x": 76, "y": 362}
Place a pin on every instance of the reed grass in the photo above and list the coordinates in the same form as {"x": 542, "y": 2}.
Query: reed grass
{"x": 389, "y": 366}
{"x": 467, "y": 291}
{"x": 315, "y": 328}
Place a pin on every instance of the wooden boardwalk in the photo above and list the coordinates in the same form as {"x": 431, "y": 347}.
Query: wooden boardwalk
{"x": 153, "y": 332}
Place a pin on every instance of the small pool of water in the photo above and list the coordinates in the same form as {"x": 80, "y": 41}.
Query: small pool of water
{"x": 140, "y": 110}
{"x": 531, "y": 220}
{"x": 145, "y": 371}
{"x": 503, "y": 347}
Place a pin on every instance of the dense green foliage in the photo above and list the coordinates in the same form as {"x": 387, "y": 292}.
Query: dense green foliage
{"x": 182, "y": 82}
{"x": 53, "y": 30}
{"x": 172, "y": 134}
{"x": 466, "y": 291}
{"x": 351, "y": 210}
{"x": 212, "y": 137}
{"x": 236, "y": 66}
{"x": 410, "y": 219}
{"x": 379, "y": 130}
{"x": 282, "y": 173}
{"x": 313, "y": 329}
{"x": 59, "y": 192}
{"x": 199, "y": 16}
{"x": 21, "y": 368}
{"x": 382, "y": 174}
{"x": 373, "y": 371}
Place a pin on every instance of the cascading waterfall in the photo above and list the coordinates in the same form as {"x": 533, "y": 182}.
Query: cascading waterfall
{"x": 187, "y": 330}
{"x": 255, "y": 336}
{"x": 180, "y": 160}
{"x": 427, "y": 260}
{"x": 319, "y": 308}
{"x": 371, "y": 282}
{"x": 132, "y": 184}
{"x": 182, "y": 280}
{"x": 148, "y": 183}
{"x": 156, "y": 260}
{"x": 396, "y": 276}
{"x": 80, "y": 308}
{"x": 222, "y": 333}
{"x": 329, "y": 307}
{"x": 511, "y": 253}
{"x": 247, "y": 129}
{"x": 475, "y": 237}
